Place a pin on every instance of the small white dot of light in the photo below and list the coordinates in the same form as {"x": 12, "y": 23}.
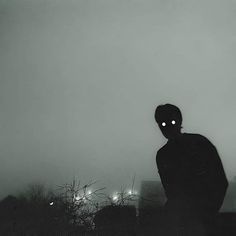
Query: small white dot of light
{"x": 84, "y": 199}
{"x": 115, "y": 198}
{"x": 163, "y": 124}
{"x": 89, "y": 192}
{"x": 130, "y": 192}
{"x": 51, "y": 203}
{"x": 173, "y": 122}
{"x": 77, "y": 198}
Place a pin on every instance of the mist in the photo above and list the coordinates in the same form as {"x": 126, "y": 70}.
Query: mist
{"x": 80, "y": 81}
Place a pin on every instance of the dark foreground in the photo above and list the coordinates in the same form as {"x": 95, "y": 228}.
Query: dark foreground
{"x": 225, "y": 226}
{"x": 38, "y": 218}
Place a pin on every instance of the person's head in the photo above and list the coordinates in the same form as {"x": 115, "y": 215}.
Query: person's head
{"x": 169, "y": 120}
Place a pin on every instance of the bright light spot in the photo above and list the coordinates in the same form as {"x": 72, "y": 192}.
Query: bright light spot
{"x": 163, "y": 124}
{"x": 115, "y": 197}
{"x": 132, "y": 192}
{"x": 173, "y": 122}
{"x": 51, "y": 203}
{"x": 89, "y": 192}
{"x": 77, "y": 198}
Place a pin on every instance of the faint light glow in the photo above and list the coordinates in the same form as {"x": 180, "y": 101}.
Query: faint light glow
{"x": 115, "y": 197}
{"x": 83, "y": 196}
{"x": 84, "y": 199}
{"x": 163, "y": 123}
{"x": 173, "y": 122}
{"x": 51, "y": 203}
{"x": 132, "y": 192}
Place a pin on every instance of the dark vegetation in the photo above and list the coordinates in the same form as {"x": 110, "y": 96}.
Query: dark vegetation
{"x": 75, "y": 209}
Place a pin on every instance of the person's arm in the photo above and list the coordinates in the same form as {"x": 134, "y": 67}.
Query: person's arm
{"x": 209, "y": 175}
{"x": 162, "y": 174}
{"x": 168, "y": 176}
{"x": 218, "y": 179}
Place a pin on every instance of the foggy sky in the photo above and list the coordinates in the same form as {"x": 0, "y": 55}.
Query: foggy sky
{"x": 80, "y": 80}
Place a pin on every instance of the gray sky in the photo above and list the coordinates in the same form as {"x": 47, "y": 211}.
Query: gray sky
{"x": 80, "y": 80}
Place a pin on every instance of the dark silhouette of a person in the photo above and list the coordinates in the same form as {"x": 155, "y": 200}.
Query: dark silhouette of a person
{"x": 192, "y": 176}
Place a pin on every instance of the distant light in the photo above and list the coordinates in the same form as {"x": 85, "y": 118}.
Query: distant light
{"x": 115, "y": 197}
{"x": 163, "y": 123}
{"x": 173, "y": 122}
{"x": 84, "y": 199}
{"x": 77, "y": 198}
{"x": 51, "y": 203}
{"x": 132, "y": 192}
{"x": 89, "y": 192}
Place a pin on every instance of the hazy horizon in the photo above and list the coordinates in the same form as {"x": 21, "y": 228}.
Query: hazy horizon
{"x": 80, "y": 81}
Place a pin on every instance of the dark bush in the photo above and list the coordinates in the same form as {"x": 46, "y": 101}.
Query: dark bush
{"x": 116, "y": 220}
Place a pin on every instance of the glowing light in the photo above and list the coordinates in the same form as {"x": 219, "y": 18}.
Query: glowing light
{"x": 173, "y": 122}
{"x": 77, "y": 198}
{"x": 89, "y": 192}
{"x": 51, "y": 203}
{"x": 163, "y": 124}
{"x": 130, "y": 192}
{"x": 115, "y": 197}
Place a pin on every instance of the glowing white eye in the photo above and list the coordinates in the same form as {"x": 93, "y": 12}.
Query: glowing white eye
{"x": 173, "y": 122}
{"x": 163, "y": 124}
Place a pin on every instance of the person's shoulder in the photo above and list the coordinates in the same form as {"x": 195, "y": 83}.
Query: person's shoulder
{"x": 196, "y": 137}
